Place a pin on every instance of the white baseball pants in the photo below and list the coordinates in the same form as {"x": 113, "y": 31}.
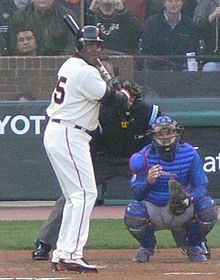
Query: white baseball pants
{"x": 69, "y": 153}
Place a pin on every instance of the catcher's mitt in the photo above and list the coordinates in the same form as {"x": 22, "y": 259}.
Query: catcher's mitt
{"x": 179, "y": 198}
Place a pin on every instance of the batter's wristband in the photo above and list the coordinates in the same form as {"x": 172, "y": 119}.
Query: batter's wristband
{"x": 126, "y": 93}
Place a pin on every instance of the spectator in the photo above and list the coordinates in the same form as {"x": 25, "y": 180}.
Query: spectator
{"x": 26, "y": 43}
{"x": 206, "y": 16}
{"x": 21, "y": 3}
{"x": 7, "y": 9}
{"x": 45, "y": 18}
{"x": 75, "y": 6}
{"x": 169, "y": 32}
{"x": 138, "y": 8}
{"x": 189, "y": 7}
{"x": 155, "y": 6}
{"x": 120, "y": 28}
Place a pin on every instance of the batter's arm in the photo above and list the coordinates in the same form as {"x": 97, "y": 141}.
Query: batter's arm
{"x": 113, "y": 97}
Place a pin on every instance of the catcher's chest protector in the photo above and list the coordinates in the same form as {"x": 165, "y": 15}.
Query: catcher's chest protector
{"x": 179, "y": 167}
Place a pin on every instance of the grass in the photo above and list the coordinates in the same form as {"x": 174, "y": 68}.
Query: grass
{"x": 104, "y": 234}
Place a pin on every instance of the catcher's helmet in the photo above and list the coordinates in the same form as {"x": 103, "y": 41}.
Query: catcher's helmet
{"x": 163, "y": 121}
{"x": 166, "y": 136}
{"x": 87, "y": 33}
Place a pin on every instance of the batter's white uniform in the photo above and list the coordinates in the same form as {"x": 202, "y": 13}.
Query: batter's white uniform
{"x": 75, "y": 101}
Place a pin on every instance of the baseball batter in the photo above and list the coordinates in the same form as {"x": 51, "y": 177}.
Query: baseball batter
{"x": 122, "y": 134}
{"x": 74, "y": 112}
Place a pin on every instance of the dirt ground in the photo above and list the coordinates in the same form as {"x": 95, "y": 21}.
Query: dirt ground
{"x": 114, "y": 264}
{"x": 166, "y": 264}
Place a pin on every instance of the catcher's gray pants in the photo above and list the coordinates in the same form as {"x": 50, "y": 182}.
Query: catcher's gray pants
{"x": 50, "y": 229}
{"x": 164, "y": 219}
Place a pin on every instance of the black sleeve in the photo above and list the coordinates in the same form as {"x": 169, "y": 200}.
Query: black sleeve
{"x": 113, "y": 97}
{"x": 144, "y": 114}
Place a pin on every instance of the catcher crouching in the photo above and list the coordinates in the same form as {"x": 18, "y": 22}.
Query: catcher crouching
{"x": 170, "y": 189}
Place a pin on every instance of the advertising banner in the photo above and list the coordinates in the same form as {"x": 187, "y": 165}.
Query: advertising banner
{"x": 26, "y": 173}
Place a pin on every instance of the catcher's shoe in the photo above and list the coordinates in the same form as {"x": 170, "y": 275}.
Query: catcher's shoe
{"x": 143, "y": 255}
{"x": 196, "y": 254}
{"x": 42, "y": 250}
{"x": 78, "y": 265}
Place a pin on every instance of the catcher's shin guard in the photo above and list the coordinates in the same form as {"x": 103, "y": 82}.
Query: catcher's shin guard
{"x": 206, "y": 215}
{"x": 137, "y": 223}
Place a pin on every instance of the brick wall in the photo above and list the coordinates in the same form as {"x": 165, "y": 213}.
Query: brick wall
{"x": 37, "y": 75}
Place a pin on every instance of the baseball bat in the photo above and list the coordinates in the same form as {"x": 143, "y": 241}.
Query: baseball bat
{"x": 73, "y": 25}
{"x": 105, "y": 74}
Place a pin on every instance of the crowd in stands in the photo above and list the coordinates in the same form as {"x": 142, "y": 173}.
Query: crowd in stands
{"x": 148, "y": 27}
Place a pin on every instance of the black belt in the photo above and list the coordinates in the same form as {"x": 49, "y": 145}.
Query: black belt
{"x": 73, "y": 125}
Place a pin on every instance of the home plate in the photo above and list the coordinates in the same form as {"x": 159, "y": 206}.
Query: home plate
{"x": 189, "y": 273}
{"x": 98, "y": 267}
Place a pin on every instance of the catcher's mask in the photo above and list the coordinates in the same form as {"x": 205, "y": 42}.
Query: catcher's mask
{"x": 165, "y": 135}
{"x": 87, "y": 33}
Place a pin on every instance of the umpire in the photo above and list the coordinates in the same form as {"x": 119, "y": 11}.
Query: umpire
{"x": 120, "y": 134}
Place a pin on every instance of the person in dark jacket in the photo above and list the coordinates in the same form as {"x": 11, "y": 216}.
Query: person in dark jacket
{"x": 206, "y": 17}
{"x": 169, "y": 32}
{"x": 45, "y": 18}
{"x": 120, "y": 28}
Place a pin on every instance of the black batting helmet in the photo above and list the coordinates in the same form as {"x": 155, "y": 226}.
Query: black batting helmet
{"x": 88, "y": 33}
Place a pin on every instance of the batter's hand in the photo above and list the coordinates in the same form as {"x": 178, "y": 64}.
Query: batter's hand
{"x": 153, "y": 173}
{"x": 134, "y": 89}
{"x": 115, "y": 83}
{"x": 215, "y": 14}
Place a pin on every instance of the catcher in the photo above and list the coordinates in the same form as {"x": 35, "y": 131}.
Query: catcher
{"x": 170, "y": 189}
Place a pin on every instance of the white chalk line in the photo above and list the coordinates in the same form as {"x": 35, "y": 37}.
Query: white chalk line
{"x": 38, "y": 278}
{"x": 189, "y": 273}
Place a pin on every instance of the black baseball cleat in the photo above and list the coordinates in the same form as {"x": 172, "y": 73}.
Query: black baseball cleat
{"x": 42, "y": 250}
{"x": 78, "y": 265}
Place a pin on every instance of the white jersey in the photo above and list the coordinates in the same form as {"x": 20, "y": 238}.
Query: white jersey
{"x": 77, "y": 94}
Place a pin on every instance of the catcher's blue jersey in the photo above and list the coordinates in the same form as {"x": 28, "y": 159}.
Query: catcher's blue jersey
{"x": 187, "y": 168}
